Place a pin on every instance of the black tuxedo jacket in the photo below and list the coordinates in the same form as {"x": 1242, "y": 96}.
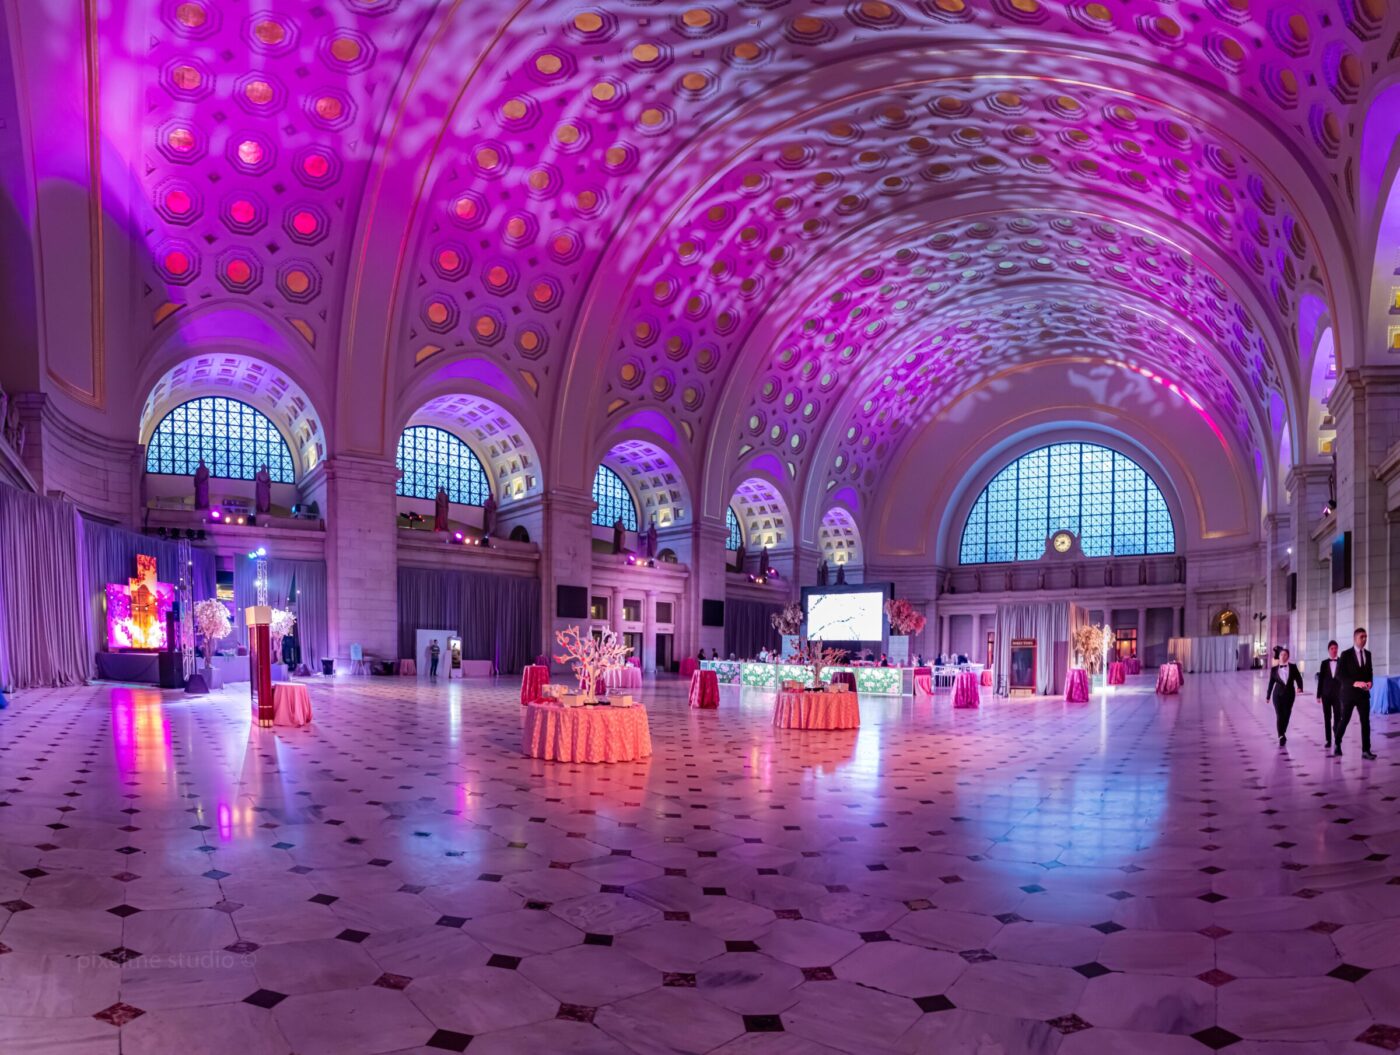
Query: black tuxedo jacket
{"x": 1328, "y": 687}
{"x": 1349, "y": 670}
{"x": 1284, "y": 691}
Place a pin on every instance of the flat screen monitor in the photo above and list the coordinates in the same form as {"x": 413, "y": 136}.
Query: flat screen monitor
{"x": 846, "y": 615}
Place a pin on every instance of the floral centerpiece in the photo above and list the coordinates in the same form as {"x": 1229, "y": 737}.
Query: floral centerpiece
{"x": 283, "y": 623}
{"x": 211, "y": 620}
{"x": 590, "y": 656}
{"x": 788, "y": 619}
{"x": 1090, "y": 644}
{"x": 904, "y": 618}
{"x": 816, "y": 655}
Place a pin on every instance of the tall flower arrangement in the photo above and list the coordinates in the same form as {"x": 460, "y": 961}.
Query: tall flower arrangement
{"x": 1091, "y": 646}
{"x": 590, "y": 656}
{"x": 212, "y": 621}
{"x": 283, "y": 622}
{"x": 904, "y": 617}
{"x": 788, "y": 620}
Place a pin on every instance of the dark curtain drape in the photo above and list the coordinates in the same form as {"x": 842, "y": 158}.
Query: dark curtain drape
{"x": 748, "y": 627}
{"x": 298, "y": 584}
{"x": 497, "y": 616}
{"x": 109, "y": 555}
{"x": 43, "y": 622}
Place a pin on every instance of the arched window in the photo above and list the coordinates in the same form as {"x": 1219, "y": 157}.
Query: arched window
{"x": 613, "y": 499}
{"x": 1103, "y": 497}
{"x": 736, "y": 533}
{"x": 431, "y": 458}
{"x": 231, "y": 438}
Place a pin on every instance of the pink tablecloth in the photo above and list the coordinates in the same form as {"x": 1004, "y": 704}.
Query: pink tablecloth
{"x": 531, "y": 681}
{"x": 1116, "y": 674}
{"x": 689, "y": 666}
{"x": 817, "y": 710}
{"x": 291, "y": 704}
{"x": 1077, "y": 686}
{"x": 965, "y": 692}
{"x": 704, "y": 689}
{"x": 1169, "y": 679}
{"x": 585, "y": 734}
{"x": 1132, "y": 665}
{"x": 408, "y": 668}
{"x": 623, "y": 678}
{"x": 987, "y": 676}
{"x": 923, "y": 684}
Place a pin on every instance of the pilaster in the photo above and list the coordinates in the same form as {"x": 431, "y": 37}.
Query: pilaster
{"x": 361, "y": 555}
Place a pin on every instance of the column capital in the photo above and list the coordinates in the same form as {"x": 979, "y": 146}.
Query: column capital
{"x": 1305, "y": 476}
{"x": 1358, "y": 382}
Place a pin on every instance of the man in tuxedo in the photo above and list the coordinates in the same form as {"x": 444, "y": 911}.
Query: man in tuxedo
{"x": 1329, "y": 692}
{"x": 1285, "y": 682}
{"x": 1354, "y": 672}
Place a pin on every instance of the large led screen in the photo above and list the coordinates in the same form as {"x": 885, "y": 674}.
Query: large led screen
{"x": 846, "y": 616}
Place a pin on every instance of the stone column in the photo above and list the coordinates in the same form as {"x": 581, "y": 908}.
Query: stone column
{"x": 708, "y": 560}
{"x": 1365, "y": 403}
{"x": 648, "y": 657}
{"x": 361, "y": 555}
{"x": 566, "y": 553}
{"x": 615, "y": 610}
{"x": 1312, "y": 621}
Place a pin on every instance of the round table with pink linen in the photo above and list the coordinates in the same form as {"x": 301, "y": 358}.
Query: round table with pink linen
{"x": 585, "y": 734}
{"x": 923, "y": 682}
{"x": 817, "y": 710}
{"x": 689, "y": 666}
{"x": 532, "y": 681}
{"x": 987, "y": 676}
{"x": 1169, "y": 679}
{"x": 291, "y": 704}
{"x": 1116, "y": 674}
{"x": 965, "y": 691}
{"x": 1132, "y": 666}
{"x": 408, "y": 668}
{"x": 625, "y": 677}
{"x": 704, "y": 689}
{"x": 1077, "y": 686}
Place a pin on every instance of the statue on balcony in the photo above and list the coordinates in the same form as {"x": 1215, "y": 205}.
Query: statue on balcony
{"x": 488, "y": 516}
{"x": 840, "y": 575}
{"x": 822, "y": 573}
{"x": 741, "y": 555}
{"x": 1142, "y": 573}
{"x": 1074, "y": 576}
{"x": 763, "y": 561}
{"x": 947, "y": 581}
{"x": 264, "y": 490}
{"x": 441, "y": 505}
{"x": 651, "y": 540}
{"x": 619, "y": 536}
{"x": 14, "y": 429}
{"x": 1180, "y": 569}
{"x": 201, "y": 486}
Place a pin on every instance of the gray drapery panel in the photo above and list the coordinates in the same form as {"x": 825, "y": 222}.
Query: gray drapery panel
{"x": 299, "y": 584}
{"x": 1049, "y": 624}
{"x": 109, "y": 555}
{"x": 748, "y": 627}
{"x": 44, "y": 630}
{"x": 497, "y": 616}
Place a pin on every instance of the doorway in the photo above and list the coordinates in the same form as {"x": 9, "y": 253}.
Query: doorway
{"x": 1125, "y": 644}
{"x": 664, "y": 646}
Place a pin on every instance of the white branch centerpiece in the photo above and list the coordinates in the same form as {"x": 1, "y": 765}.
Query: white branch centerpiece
{"x": 283, "y": 623}
{"x": 590, "y": 656}
{"x": 816, "y": 655}
{"x": 1091, "y": 644}
{"x": 212, "y": 620}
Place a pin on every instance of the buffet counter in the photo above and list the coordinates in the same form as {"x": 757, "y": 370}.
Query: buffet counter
{"x": 877, "y": 681}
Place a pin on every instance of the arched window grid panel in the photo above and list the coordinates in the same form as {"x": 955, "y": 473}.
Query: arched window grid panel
{"x": 232, "y": 439}
{"x": 430, "y": 457}
{"x": 613, "y": 500}
{"x": 1104, "y": 498}
{"x": 736, "y": 531}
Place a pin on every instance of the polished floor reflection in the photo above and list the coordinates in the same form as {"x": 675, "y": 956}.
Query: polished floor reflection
{"x": 1138, "y": 874}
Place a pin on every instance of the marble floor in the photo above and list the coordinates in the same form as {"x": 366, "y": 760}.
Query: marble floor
{"x": 1137, "y": 874}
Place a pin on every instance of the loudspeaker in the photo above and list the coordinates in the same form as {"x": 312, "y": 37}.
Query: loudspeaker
{"x": 1341, "y": 562}
{"x": 571, "y": 602}
{"x": 711, "y": 613}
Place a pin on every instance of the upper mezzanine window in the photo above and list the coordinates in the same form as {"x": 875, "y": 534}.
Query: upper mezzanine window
{"x": 613, "y": 500}
{"x": 230, "y": 437}
{"x": 430, "y": 458}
